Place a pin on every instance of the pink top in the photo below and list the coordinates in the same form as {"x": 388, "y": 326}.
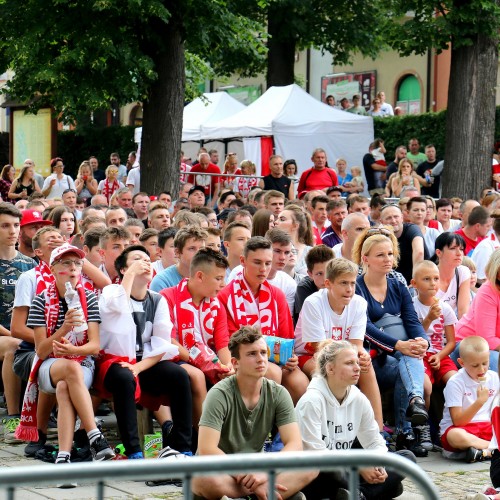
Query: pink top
{"x": 483, "y": 318}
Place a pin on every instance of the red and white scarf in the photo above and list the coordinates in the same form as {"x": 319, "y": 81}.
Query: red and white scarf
{"x": 27, "y": 429}
{"x": 184, "y": 315}
{"x": 254, "y": 311}
{"x": 245, "y": 184}
{"x": 108, "y": 190}
{"x": 44, "y": 277}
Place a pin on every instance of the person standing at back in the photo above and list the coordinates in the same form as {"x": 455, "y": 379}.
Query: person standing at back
{"x": 319, "y": 176}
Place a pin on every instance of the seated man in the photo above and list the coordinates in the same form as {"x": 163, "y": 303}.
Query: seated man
{"x": 251, "y": 300}
{"x": 199, "y": 318}
{"x": 238, "y": 415}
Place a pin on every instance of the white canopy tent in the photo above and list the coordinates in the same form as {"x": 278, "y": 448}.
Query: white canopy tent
{"x": 210, "y": 107}
{"x": 298, "y": 123}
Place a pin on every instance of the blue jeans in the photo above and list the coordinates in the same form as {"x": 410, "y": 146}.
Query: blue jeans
{"x": 494, "y": 355}
{"x": 406, "y": 375}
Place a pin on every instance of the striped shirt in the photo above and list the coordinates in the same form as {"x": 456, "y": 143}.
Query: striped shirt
{"x": 37, "y": 310}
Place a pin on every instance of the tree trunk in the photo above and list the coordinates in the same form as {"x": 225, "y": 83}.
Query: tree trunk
{"x": 162, "y": 117}
{"x": 470, "y": 118}
{"x": 281, "y": 45}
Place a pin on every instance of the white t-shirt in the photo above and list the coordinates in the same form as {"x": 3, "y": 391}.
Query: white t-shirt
{"x": 482, "y": 254}
{"x": 450, "y": 296}
{"x": 157, "y": 267}
{"x": 59, "y": 187}
{"x": 435, "y": 332}
{"x": 282, "y": 281}
{"x": 337, "y": 250}
{"x": 461, "y": 391}
{"x": 25, "y": 289}
{"x": 430, "y": 238}
{"x": 100, "y": 186}
{"x": 318, "y": 321}
{"x": 134, "y": 179}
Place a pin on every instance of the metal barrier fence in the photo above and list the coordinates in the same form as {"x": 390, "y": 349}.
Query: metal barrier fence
{"x": 272, "y": 463}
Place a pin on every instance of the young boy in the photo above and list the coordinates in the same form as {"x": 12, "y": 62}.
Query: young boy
{"x": 113, "y": 241}
{"x": 166, "y": 251}
{"x": 149, "y": 239}
{"x": 337, "y": 313}
{"x": 466, "y": 423}
{"x": 135, "y": 227}
{"x": 187, "y": 242}
{"x": 235, "y": 237}
{"x": 438, "y": 320}
{"x": 199, "y": 317}
{"x": 213, "y": 240}
{"x": 64, "y": 365}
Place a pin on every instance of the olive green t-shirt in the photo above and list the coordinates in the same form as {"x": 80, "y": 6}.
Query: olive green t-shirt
{"x": 243, "y": 430}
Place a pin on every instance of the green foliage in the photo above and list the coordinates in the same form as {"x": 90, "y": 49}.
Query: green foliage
{"x": 74, "y": 146}
{"x": 438, "y": 23}
{"x": 429, "y": 128}
{"x": 83, "y": 56}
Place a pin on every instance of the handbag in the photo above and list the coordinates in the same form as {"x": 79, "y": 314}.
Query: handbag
{"x": 392, "y": 325}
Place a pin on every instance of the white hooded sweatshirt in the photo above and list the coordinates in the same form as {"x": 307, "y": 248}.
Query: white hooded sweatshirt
{"x": 327, "y": 425}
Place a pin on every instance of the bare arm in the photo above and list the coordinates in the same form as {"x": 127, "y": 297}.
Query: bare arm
{"x": 18, "y": 327}
{"x": 99, "y": 279}
{"x": 417, "y": 247}
{"x": 463, "y": 303}
{"x": 290, "y": 436}
{"x": 208, "y": 441}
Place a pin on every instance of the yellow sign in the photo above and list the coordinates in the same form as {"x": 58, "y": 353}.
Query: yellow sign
{"x": 32, "y": 136}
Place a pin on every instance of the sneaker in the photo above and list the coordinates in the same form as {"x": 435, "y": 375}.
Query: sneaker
{"x": 490, "y": 491}
{"x": 33, "y": 446}
{"x": 171, "y": 454}
{"x": 66, "y": 484}
{"x": 9, "y": 430}
{"x": 100, "y": 449}
{"x": 409, "y": 442}
{"x": 423, "y": 435}
{"x": 474, "y": 455}
{"x": 483, "y": 496}
{"x": 298, "y": 496}
{"x": 343, "y": 494}
{"x": 416, "y": 412}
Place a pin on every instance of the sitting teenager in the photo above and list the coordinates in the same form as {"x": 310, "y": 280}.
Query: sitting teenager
{"x": 200, "y": 319}
{"x": 187, "y": 242}
{"x": 332, "y": 397}
{"x": 239, "y": 414}
{"x": 251, "y": 300}
{"x": 166, "y": 250}
{"x": 337, "y": 313}
{"x": 64, "y": 365}
{"x": 135, "y": 365}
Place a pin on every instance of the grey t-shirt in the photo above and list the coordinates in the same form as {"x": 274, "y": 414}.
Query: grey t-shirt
{"x": 243, "y": 430}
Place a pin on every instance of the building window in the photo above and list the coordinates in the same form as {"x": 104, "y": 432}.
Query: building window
{"x": 409, "y": 95}
{"x": 136, "y": 116}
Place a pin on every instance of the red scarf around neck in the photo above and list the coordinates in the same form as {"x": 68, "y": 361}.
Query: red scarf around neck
{"x": 27, "y": 429}
{"x": 44, "y": 277}
{"x": 249, "y": 310}
{"x": 108, "y": 190}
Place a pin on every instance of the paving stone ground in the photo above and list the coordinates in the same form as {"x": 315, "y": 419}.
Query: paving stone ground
{"x": 455, "y": 480}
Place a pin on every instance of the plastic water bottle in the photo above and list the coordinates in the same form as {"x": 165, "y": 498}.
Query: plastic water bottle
{"x": 73, "y": 302}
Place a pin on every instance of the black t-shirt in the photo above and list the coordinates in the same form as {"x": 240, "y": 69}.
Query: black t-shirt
{"x": 305, "y": 288}
{"x": 281, "y": 184}
{"x": 368, "y": 161}
{"x": 424, "y": 167}
{"x": 405, "y": 266}
{"x": 392, "y": 168}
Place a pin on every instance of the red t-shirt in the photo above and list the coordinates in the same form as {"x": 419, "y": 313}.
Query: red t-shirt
{"x": 209, "y": 182}
{"x": 313, "y": 179}
{"x": 469, "y": 244}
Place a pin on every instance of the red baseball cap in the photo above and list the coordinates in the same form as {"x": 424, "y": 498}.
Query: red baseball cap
{"x": 31, "y": 216}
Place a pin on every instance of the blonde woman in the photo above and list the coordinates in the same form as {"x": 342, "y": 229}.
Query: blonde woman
{"x": 298, "y": 225}
{"x": 399, "y": 361}
{"x": 404, "y": 178}
{"x": 85, "y": 184}
{"x": 230, "y": 167}
{"x": 24, "y": 184}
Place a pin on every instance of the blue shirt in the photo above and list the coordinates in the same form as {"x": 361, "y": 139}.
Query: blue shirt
{"x": 398, "y": 302}
{"x": 167, "y": 278}
{"x": 331, "y": 238}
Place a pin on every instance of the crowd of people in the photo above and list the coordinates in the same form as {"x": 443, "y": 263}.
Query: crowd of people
{"x": 249, "y": 313}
